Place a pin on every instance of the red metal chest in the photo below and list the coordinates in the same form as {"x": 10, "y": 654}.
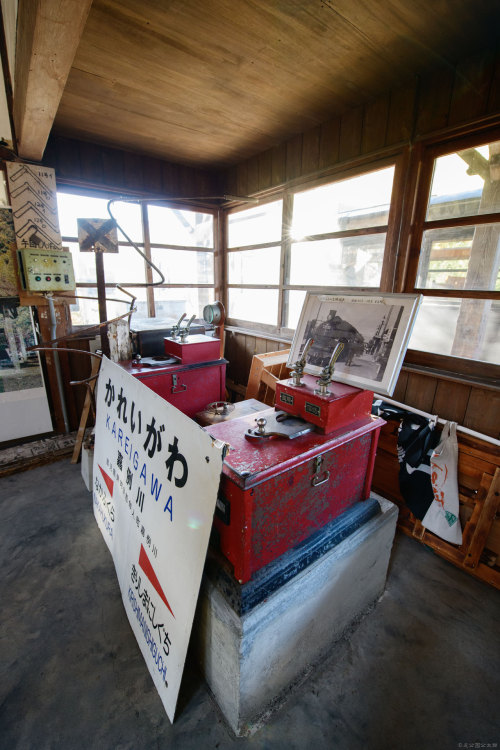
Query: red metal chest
{"x": 343, "y": 406}
{"x": 275, "y": 493}
{"x": 188, "y": 387}
{"x": 196, "y": 348}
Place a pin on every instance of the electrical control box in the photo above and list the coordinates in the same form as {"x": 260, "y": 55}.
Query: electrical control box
{"x": 46, "y": 270}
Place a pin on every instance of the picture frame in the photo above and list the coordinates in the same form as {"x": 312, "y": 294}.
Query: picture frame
{"x": 374, "y": 327}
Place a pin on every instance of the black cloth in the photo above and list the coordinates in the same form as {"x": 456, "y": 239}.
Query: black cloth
{"x": 416, "y": 441}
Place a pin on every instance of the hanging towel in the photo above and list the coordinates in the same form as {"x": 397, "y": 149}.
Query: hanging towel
{"x": 442, "y": 516}
{"x": 416, "y": 441}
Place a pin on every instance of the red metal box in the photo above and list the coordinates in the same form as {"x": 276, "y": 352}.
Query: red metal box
{"x": 276, "y": 492}
{"x": 344, "y": 406}
{"x": 197, "y": 348}
{"x": 188, "y": 387}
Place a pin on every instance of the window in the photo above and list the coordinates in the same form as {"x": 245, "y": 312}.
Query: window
{"x": 253, "y": 263}
{"x": 180, "y": 242}
{"x": 457, "y": 266}
{"x": 331, "y": 236}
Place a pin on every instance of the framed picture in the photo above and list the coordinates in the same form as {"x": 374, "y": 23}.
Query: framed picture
{"x": 374, "y": 328}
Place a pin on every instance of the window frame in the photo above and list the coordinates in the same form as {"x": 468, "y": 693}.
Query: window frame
{"x": 418, "y": 193}
{"x": 397, "y": 159}
{"x": 144, "y": 200}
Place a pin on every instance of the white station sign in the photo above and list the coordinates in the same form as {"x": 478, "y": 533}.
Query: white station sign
{"x": 156, "y": 476}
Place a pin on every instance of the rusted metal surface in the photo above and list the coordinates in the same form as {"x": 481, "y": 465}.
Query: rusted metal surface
{"x": 278, "y": 492}
{"x": 188, "y": 387}
{"x": 342, "y": 407}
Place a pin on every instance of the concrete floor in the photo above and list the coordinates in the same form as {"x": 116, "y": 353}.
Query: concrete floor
{"x": 420, "y": 671}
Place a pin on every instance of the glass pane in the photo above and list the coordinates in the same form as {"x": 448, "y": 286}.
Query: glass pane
{"x": 255, "y": 266}
{"x": 171, "y": 303}
{"x": 348, "y": 204}
{"x": 83, "y": 264}
{"x": 184, "y": 266}
{"x": 295, "y": 304}
{"x": 125, "y": 265}
{"x": 128, "y": 216}
{"x": 461, "y": 328}
{"x": 119, "y": 268}
{"x": 254, "y": 226}
{"x": 86, "y": 311}
{"x": 171, "y": 226}
{"x": 460, "y": 258}
{"x": 465, "y": 183}
{"x": 72, "y": 207}
{"x": 351, "y": 261}
{"x": 254, "y": 305}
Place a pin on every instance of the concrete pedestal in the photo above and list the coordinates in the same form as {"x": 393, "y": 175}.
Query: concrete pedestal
{"x": 251, "y": 660}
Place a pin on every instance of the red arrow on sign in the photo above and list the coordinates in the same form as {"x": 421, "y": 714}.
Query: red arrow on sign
{"x": 148, "y": 570}
{"x": 109, "y": 482}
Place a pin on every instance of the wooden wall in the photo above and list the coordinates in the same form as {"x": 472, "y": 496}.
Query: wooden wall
{"x": 93, "y": 166}
{"x": 445, "y": 101}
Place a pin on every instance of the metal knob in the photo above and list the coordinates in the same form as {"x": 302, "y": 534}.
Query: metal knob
{"x": 261, "y": 425}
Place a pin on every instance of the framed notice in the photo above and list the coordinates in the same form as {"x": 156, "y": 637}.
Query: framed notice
{"x": 373, "y": 328}
{"x": 156, "y": 476}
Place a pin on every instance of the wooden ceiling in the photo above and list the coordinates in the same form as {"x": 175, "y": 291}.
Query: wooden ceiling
{"x": 212, "y": 82}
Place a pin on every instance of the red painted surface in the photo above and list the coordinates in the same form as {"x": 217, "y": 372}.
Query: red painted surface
{"x": 197, "y": 385}
{"x": 268, "y": 484}
{"x": 196, "y": 348}
{"x": 344, "y": 406}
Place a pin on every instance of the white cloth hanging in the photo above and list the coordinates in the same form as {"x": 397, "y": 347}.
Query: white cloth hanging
{"x": 442, "y": 517}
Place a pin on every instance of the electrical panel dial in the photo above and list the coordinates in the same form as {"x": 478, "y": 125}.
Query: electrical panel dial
{"x": 46, "y": 270}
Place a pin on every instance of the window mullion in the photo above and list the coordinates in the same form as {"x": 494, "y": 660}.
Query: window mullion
{"x": 147, "y": 252}
{"x": 286, "y": 243}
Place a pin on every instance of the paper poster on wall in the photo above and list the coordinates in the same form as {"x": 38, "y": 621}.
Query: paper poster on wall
{"x": 24, "y": 408}
{"x": 33, "y": 199}
{"x": 156, "y": 477}
{"x": 8, "y": 272}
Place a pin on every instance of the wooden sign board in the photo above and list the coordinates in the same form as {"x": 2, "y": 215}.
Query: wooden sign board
{"x": 97, "y": 235}
{"x": 33, "y": 199}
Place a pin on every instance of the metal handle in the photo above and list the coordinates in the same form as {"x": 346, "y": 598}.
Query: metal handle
{"x": 174, "y": 388}
{"x": 316, "y": 481}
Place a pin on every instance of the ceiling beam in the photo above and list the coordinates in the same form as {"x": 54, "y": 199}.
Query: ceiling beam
{"x": 48, "y": 34}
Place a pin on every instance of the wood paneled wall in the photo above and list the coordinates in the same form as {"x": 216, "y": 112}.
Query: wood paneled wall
{"x": 441, "y": 102}
{"x": 471, "y": 405}
{"x": 94, "y": 166}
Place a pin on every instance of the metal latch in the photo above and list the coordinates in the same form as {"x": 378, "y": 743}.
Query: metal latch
{"x": 319, "y": 477}
{"x": 174, "y": 388}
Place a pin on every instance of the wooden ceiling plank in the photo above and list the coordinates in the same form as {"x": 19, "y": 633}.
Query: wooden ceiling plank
{"x": 215, "y": 81}
{"x": 48, "y": 34}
